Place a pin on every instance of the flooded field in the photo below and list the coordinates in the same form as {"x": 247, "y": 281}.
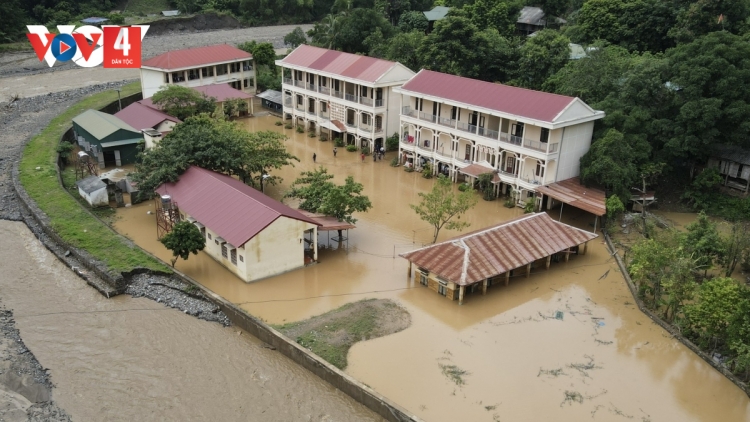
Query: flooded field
{"x": 126, "y": 359}
{"x": 503, "y": 356}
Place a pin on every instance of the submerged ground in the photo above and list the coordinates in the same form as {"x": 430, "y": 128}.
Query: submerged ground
{"x": 506, "y": 356}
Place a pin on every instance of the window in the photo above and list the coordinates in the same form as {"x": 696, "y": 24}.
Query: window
{"x": 166, "y": 78}
{"x": 208, "y": 71}
{"x": 545, "y": 135}
{"x": 224, "y": 250}
{"x": 518, "y": 129}
{"x": 248, "y": 65}
{"x": 233, "y": 255}
{"x": 249, "y": 82}
{"x": 299, "y": 100}
{"x": 365, "y": 119}
{"x": 539, "y": 169}
{"x": 442, "y": 287}
{"x": 234, "y": 67}
{"x": 322, "y": 80}
{"x": 323, "y": 107}
{"x": 242, "y": 259}
{"x": 423, "y": 278}
{"x": 419, "y": 103}
{"x": 363, "y": 91}
{"x": 209, "y": 236}
{"x": 221, "y": 69}
{"x": 203, "y": 233}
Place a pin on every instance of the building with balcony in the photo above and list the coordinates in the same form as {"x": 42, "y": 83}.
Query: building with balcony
{"x": 194, "y": 67}
{"x": 342, "y": 95}
{"x": 465, "y": 127}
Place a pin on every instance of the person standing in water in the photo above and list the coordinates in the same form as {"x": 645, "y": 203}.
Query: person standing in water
{"x": 334, "y": 152}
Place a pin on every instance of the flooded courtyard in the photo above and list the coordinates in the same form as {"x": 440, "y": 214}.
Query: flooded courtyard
{"x": 567, "y": 344}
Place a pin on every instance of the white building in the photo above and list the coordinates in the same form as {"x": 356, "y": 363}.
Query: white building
{"x": 251, "y": 234}
{"x": 199, "y": 66}
{"x": 468, "y": 127}
{"x": 342, "y": 95}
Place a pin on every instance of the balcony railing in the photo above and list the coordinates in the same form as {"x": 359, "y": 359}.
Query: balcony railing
{"x": 366, "y": 101}
{"x": 379, "y": 103}
{"x": 535, "y": 145}
{"x": 324, "y": 116}
{"x": 446, "y": 121}
{"x": 466, "y": 127}
{"x": 312, "y": 87}
{"x": 350, "y": 124}
{"x": 427, "y": 117}
{"x": 288, "y": 81}
{"x": 338, "y": 94}
{"x": 552, "y": 148}
{"x": 311, "y": 112}
{"x": 424, "y": 148}
{"x": 366, "y": 128}
{"x": 299, "y": 84}
{"x": 379, "y": 129}
{"x": 324, "y": 90}
{"x": 516, "y": 140}
{"x": 448, "y": 154}
{"x": 487, "y": 133}
{"x": 350, "y": 97}
{"x": 288, "y": 102}
{"x": 407, "y": 111}
{"x": 507, "y": 173}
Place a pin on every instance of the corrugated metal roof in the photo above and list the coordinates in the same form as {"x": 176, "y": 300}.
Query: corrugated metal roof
{"x": 362, "y": 68}
{"x": 143, "y": 117}
{"x": 195, "y": 57}
{"x": 732, "y": 153}
{"x": 512, "y": 100}
{"x": 572, "y": 192}
{"x": 492, "y": 251}
{"x": 328, "y": 223}
{"x": 102, "y": 124}
{"x": 121, "y": 142}
{"x": 91, "y": 184}
{"x": 222, "y": 92}
{"x": 271, "y": 95}
{"x": 232, "y": 209}
{"x": 437, "y": 13}
{"x": 532, "y": 16}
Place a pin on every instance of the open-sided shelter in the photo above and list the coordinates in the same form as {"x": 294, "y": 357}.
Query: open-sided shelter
{"x": 487, "y": 256}
{"x": 251, "y": 234}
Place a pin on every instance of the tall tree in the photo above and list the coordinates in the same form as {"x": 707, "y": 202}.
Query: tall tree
{"x": 703, "y": 241}
{"x": 403, "y": 48}
{"x": 487, "y": 14}
{"x": 182, "y": 102}
{"x": 609, "y": 163}
{"x": 12, "y": 19}
{"x": 699, "y": 17}
{"x": 413, "y": 20}
{"x": 541, "y": 56}
{"x": 443, "y": 206}
{"x": 295, "y": 38}
{"x": 735, "y": 245}
{"x": 263, "y": 53}
{"x": 709, "y": 318}
{"x": 182, "y": 240}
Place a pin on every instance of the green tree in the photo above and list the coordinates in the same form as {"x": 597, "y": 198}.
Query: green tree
{"x": 183, "y": 102}
{"x": 184, "y": 239}
{"x": 541, "y": 57}
{"x": 703, "y": 188}
{"x": 487, "y": 14}
{"x": 403, "y": 48}
{"x": 12, "y": 19}
{"x": 295, "y": 38}
{"x": 486, "y": 186}
{"x": 609, "y": 163}
{"x": 263, "y": 53}
{"x": 357, "y": 25}
{"x": 700, "y": 17}
{"x": 735, "y": 245}
{"x": 709, "y": 318}
{"x": 442, "y": 204}
{"x": 413, "y": 20}
{"x": 552, "y": 8}
{"x": 326, "y": 33}
{"x": 703, "y": 241}
{"x": 600, "y": 20}
{"x": 614, "y": 207}
{"x": 212, "y": 144}
{"x": 317, "y": 193}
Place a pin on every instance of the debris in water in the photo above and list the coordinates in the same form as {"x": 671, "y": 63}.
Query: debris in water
{"x": 553, "y": 372}
{"x": 454, "y": 373}
{"x": 604, "y": 275}
{"x": 559, "y": 315}
{"x": 572, "y": 396}
{"x": 600, "y": 323}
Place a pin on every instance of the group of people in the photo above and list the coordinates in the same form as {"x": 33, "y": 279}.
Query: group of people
{"x": 378, "y": 154}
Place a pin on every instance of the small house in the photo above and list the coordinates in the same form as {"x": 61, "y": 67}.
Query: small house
{"x": 93, "y": 190}
{"x": 251, "y": 234}
{"x": 153, "y": 123}
{"x": 733, "y": 163}
{"x": 530, "y": 20}
{"x": 474, "y": 261}
{"x": 271, "y": 100}
{"x": 107, "y": 138}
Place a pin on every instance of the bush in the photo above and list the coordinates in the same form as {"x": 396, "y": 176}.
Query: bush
{"x": 288, "y": 126}
{"x": 394, "y": 162}
{"x": 311, "y": 134}
{"x": 391, "y": 144}
{"x": 339, "y": 142}
{"x": 409, "y": 169}
{"x": 427, "y": 171}
{"x": 529, "y": 207}
{"x": 323, "y": 137}
{"x": 278, "y": 123}
{"x": 485, "y": 185}
{"x": 351, "y": 148}
{"x": 64, "y": 149}
{"x": 463, "y": 187}
{"x": 300, "y": 129}
{"x": 116, "y": 19}
{"x": 366, "y": 150}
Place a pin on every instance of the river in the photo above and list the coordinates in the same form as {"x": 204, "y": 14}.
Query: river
{"x": 603, "y": 361}
{"x": 127, "y": 359}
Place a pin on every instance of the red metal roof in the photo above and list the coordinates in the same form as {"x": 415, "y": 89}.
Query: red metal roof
{"x": 232, "y": 209}
{"x": 195, "y": 57}
{"x": 363, "y": 68}
{"x": 142, "y": 116}
{"x": 222, "y": 92}
{"x": 498, "y": 97}
{"x": 572, "y": 192}
{"x": 492, "y": 251}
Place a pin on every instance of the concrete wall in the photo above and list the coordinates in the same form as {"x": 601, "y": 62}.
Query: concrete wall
{"x": 278, "y": 248}
{"x": 96, "y": 198}
{"x": 576, "y": 142}
{"x": 151, "y": 82}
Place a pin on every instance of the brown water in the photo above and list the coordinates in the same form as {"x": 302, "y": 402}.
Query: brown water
{"x": 136, "y": 360}
{"x": 503, "y": 339}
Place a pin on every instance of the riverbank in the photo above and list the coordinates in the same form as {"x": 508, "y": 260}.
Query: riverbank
{"x": 333, "y": 333}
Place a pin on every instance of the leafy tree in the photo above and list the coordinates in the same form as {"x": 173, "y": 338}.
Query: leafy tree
{"x": 185, "y": 238}
{"x": 600, "y": 20}
{"x": 541, "y": 57}
{"x": 713, "y": 76}
{"x": 413, "y": 21}
{"x": 212, "y": 144}
{"x": 699, "y": 17}
{"x": 609, "y": 163}
{"x": 735, "y": 245}
{"x": 486, "y": 186}
{"x": 442, "y": 204}
{"x": 703, "y": 188}
{"x": 263, "y": 53}
{"x": 357, "y": 25}
{"x": 182, "y": 102}
{"x": 268, "y": 80}
{"x": 319, "y": 194}
{"x": 295, "y": 38}
{"x": 487, "y": 14}
{"x": 552, "y": 8}
{"x": 403, "y": 48}
{"x": 703, "y": 240}
{"x": 12, "y": 19}
{"x": 709, "y": 318}
{"x": 614, "y": 207}
{"x": 326, "y": 33}
{"x": 376, "y": 44}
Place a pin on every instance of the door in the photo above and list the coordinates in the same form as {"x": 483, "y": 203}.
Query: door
{"x": 510, "y": 165}
{"x": 467, "y": 154}
{"x": 118, "y": 161}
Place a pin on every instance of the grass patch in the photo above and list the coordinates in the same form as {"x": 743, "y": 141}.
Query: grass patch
{"x": 145, "y": 7}
{"x": 15, "y": 46}
{"x": 71, "y": 221}
{"x": 332, "y": 334}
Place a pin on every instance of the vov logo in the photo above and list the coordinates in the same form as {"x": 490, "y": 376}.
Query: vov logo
{"x": 89, "y": 46}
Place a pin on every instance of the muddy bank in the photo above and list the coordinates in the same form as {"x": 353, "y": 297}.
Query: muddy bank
{"x": 196, "y": 23}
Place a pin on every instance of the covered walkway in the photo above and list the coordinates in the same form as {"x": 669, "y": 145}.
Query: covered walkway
{"x": 572, "y": 192}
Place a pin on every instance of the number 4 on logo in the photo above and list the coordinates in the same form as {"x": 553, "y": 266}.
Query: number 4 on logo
{"x": 122, "y": 46}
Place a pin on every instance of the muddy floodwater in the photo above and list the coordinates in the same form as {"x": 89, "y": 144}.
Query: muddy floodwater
{"x": 126, "y": 359}
{"x": 504, "y": 356}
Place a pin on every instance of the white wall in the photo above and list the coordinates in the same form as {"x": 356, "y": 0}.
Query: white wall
{"x": 151, "y": 81}
{"x": 278, "y": 248}
{"x": 576, "y": 142}
{"x": 393, "y": 112}
{"x": 96, "y": 198}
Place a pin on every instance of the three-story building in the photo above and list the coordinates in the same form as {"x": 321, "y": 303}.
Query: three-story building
{"x": 342, "y": 95}
{"x": 201, "y": 66}
{"x": 466, "y": 126}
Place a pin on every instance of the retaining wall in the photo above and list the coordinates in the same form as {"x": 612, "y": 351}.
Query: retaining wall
{"x": 670, "y": 328}
{"x": 116, "y": 284}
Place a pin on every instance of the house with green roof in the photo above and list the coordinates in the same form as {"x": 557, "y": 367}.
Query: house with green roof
{"x": 106, "y": 138}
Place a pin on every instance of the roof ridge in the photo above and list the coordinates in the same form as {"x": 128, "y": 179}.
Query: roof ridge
{"x": 214, "y": 175}
{"x": 498, "y": 83}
